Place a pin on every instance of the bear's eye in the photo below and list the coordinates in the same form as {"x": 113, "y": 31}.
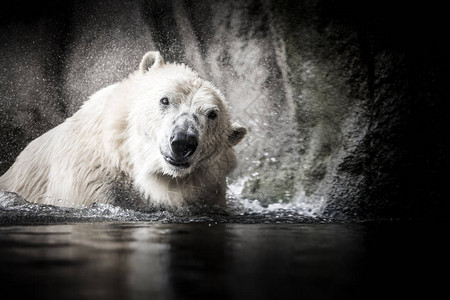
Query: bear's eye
{"x": 212, "y": 115}
{"x": 164, "y": 101}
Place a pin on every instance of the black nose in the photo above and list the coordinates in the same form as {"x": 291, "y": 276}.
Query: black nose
{"x": 183, "y": 144}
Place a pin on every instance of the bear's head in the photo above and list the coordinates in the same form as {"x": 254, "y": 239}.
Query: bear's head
{"x": 178, "y": 120}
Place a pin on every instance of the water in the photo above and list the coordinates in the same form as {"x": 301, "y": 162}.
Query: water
{"x": 148, "y": 260}
{"x": 246, "y": 252}
{"x": 15, "y": 209}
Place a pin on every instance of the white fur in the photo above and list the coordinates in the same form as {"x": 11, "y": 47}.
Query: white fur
{"x": 109, "y": 150}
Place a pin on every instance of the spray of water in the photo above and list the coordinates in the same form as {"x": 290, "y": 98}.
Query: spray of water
{"x": 16, "y": 210}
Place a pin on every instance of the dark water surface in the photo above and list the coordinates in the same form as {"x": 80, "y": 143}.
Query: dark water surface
{"x": 147, "y": 260}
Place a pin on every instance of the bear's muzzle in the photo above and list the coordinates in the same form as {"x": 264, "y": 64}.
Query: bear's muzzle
{"x": 183, "y": 144}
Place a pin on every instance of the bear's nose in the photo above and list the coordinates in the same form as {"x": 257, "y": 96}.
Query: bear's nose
{"x": 183, "y": 144}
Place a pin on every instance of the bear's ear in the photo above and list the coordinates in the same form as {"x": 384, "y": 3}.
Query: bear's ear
{"x": 150, "y": 60}
{"x": 237, "y": 134}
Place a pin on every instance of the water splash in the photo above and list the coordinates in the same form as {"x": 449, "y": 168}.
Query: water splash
{"x": 16, "y": 210}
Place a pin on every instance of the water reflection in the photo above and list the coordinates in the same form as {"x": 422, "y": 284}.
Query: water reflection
{"x": 200, "y": 261}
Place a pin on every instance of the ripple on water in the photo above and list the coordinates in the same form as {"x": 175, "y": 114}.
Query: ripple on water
{"x": 16, "y": 210}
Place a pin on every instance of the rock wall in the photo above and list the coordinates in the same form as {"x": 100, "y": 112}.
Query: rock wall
{"x": 344, "y": 100}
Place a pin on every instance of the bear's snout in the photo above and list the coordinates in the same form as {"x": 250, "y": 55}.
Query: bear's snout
{"x": 183, "y": 144}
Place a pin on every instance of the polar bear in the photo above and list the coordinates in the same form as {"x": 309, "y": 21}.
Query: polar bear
{"x": 161, "y": 137}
